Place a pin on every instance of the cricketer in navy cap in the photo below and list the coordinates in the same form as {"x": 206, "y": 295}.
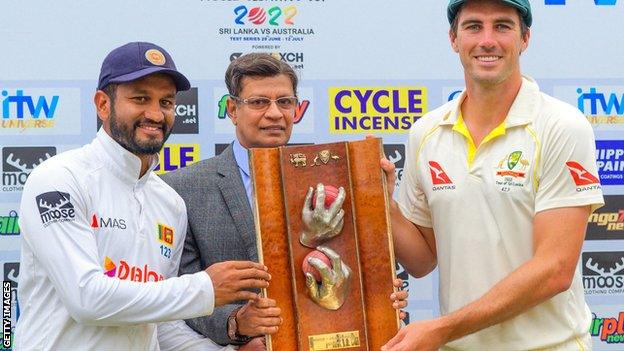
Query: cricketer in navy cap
{"x": 136, "y": 60}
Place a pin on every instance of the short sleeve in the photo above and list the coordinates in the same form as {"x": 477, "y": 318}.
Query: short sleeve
{"x": 411, "y": 199}
{"x": 568, "y": 174}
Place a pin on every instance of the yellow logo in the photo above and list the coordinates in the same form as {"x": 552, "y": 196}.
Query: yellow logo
{"x": 175, "y": 156}
{"x": 610, "y": 220}
{"x": 155, "y": 57}
{"x": 375, "y": 109}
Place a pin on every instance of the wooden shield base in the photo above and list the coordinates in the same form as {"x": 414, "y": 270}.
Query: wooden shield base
{"x": 281, "y": 178}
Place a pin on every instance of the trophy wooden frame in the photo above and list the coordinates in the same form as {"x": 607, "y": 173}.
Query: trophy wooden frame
{"x": 281, "y": 178}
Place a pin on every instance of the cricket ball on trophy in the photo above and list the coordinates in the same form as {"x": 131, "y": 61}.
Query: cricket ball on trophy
{"x": 308, "y": 268}
{"x": 331, "y": 193}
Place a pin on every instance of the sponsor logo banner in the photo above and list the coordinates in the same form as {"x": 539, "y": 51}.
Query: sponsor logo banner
{"x": 607, "y": 222}
{"x": 607, "y": 327}
{"x": 176, "y": 156}
{"x": 610, "y": 161}
{"x": 9, "y": 224}
{"x": 19, "y": 161}
{"x": 603, "y": 105}
{"x": 186, "y": 112}
{"x": 396, "y": 154}
{"x": 378, "y": 109}
{"x": 603, "y": 273}
{"x": 40, "y": 111}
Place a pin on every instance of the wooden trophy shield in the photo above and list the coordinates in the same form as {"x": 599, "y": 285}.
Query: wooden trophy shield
{"x": 281, "y": 178}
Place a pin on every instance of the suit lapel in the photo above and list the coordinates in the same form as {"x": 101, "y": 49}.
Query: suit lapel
{"x": 233, "y": 192}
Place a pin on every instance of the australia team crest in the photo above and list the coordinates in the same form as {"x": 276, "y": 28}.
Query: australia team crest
{"x": 511, "y": 171}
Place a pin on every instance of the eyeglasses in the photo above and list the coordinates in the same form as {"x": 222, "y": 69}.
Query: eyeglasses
{"x": 263, "y": 103}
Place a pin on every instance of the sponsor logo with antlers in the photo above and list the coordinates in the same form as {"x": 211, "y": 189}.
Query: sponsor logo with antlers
{"x": 603, "y": 273}
{"x": 55, "y": 206}
{"x": 23, "y": 166}
{"x": 613, "y": 270}
{"x": 18, "y": 162}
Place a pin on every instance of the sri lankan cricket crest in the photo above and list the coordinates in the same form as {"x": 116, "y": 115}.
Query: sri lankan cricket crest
{"x": 511, "y": 171}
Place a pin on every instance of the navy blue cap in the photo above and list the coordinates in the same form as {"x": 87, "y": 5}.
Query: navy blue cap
{"x": 137, "y": 60}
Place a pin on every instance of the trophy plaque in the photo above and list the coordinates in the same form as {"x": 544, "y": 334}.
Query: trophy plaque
{"x": 323, "y": 231}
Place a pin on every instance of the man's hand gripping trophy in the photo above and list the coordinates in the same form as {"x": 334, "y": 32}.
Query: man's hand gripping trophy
{"x": 321, "y": 224}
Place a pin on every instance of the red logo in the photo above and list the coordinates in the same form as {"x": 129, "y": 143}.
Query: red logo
{"x": 107, "y": 222}
{"x": 438, "y": 176}
{"x": 126, "y": 271}
{"x": 300, "y": 110}
{"x": 580, "y": 175}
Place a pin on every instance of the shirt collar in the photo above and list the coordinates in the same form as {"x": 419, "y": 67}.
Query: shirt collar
{"x": 522, "y": 109}
{"x": 123, "y": 163}
{"x": 241, "y": 155}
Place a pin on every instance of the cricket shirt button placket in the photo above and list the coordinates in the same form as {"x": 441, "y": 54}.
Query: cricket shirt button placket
{"x": 139, "y": 196}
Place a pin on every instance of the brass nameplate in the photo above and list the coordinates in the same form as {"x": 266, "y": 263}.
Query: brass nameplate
{"x": 334, "y": 341}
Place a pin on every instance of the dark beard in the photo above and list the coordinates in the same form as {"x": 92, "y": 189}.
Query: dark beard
{"x": 124, "y": 135}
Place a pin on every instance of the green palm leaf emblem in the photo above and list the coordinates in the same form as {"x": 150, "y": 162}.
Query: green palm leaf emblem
{"x": 513, "y": 159}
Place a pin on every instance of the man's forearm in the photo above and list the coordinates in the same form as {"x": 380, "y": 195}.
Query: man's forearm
{"x": 529, "y": 285}
{"x": 410, "y": 246}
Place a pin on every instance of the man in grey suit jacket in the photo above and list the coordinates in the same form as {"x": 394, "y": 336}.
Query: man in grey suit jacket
{"x": 220, "y": 226}
{"x": 217, "y": 191}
